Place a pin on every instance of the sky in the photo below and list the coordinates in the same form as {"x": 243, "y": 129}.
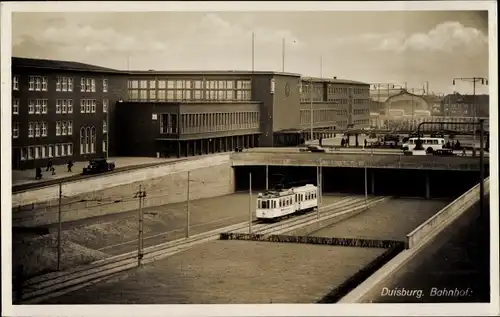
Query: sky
{"x": 374, "y": 47}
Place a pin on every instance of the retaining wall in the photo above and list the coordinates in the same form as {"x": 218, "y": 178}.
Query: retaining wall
{"x": 209, "y": 177}
{"x": 418, "y": 239}
{"x": 445, "y": 215}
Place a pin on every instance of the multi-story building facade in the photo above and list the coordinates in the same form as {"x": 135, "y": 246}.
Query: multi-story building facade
{"x": 457, "y": 105}
{"x": 59, "y": 110}
{"x": 66, "y": 110}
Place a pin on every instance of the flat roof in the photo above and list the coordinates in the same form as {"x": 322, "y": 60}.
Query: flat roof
{"x": 83, "y": 67}
{"x": 333, "y": 80}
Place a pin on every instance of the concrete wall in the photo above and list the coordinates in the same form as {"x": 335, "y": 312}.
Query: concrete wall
{"x": 169, "y": 186}
{"x": 445, "y": 215}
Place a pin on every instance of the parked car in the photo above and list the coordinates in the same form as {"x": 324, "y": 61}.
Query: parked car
{"x": 444, "y": 152}
{"x": 97, "y": 166}
{"x": 315, "y": 148}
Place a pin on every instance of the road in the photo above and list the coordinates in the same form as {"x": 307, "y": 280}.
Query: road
{"x": 459, "y": 258}
{"x": 389, "y": 220}
{"x": 244, "y": 272}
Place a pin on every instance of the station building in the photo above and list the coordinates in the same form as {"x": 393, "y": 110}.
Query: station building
{"x": 66, "y": 110}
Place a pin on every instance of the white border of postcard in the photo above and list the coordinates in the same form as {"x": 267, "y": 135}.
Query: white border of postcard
{"x": 241, "y": 310}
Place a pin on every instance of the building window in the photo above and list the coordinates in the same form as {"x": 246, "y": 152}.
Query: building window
{"x": 58, "y": 127}
{"x": 31, "y": 152}
{"x": 50, "y": 150}
{"x": 93, "y": 140}
{"x": 70, "y": 84}
{"x": 82, "y": 84}
{"x": 69, "y": 149}
{"x": 65, "y": 84}
{"x": 31, "y": 130}
{"x": 24, "y": 154}
{"x": 45, "y": 83}
{"x": 31, "y": 83}
{"x": 44, "y": 151}
{"x": 87, "y": 140}
{"x": 38, "y": 83}
{"x": 93, "y": 106}
{"x": 15, "y": 106}
{"x": 37, "y": 152}
{"x": 64, "y": 106}
{"x": 104, "y": 126}
{"x": 83, "y": 103}
{"x": 104, "y": 146}
{"x": 70, "y": 106}
{"x": 31, "y": 106}
{"x": 70, "y": 127}
{"x": 38, "y": 106}
{"x": 57, "y": 150}
{"x": 37, "y": 129}
{"x": 15, "y": 130}
{"x": 88, "y": 105}
{"x": 82, "y": 140}
{"x": 64, "y": 128}
{"x": 58, "y": 105}
{"x": 44, "y": 128}
{"x": 105, "y": 105}
{"x": 92, "y": 85}
{"x": 104, "y": 85}
{"x": 15, "y": 82}
{"x": 63, "y": 149}
{"x": 44, "y": 105}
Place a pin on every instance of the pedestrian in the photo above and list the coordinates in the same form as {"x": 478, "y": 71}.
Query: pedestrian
{"x": 18, "y": 283}
{"x": 464, "y": 153}
{"x": 53, "y": 170}
{"x": 366, "y": 142}
{"x": 342, "y": 142}
{"x": 38, "y": 173}
{"x": 70, "y": 165}
{"x": 49, "y": 165}
{"x": 457, "y": 145}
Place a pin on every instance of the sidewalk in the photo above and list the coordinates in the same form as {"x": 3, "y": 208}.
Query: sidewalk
{"x": 28, "y": 176}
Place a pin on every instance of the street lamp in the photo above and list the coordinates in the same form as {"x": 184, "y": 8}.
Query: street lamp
{"x": 474, "y": 80}
{"x": 311, "y": 107}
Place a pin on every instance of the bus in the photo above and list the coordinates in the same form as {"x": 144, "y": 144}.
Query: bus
{"x": 429, "y": 144}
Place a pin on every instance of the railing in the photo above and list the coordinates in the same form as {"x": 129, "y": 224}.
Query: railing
{"x": 356, "y": 160}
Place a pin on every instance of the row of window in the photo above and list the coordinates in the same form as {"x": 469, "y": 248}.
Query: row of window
{"x": 63, "y": 106}
{"x": 209, "y": 122}
{"x": 189, "y": 90}
{"x": 40, "y": 129}
{"x": 331, "y": 91}
{"x": 362, "y": 122}
{"x": 41, "y": 83}
{"x": 181, "y": 84}
{"x": 321, "y": 115}
{"x": 46, "y": 151}
{"x": 361, "y": 112}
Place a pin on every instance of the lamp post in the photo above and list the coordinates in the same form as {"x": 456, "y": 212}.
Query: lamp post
{"x": 311, "y": 107}
{"x": 474, "y": 80}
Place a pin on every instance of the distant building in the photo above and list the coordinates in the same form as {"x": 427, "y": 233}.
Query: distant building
{"x": 457, "y": 105}
{"x": 67, "y": 110}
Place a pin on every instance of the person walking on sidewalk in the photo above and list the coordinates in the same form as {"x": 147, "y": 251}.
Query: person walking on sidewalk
{"x": 70, "y": 165}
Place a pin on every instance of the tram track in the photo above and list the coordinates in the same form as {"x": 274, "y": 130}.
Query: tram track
{"x": 55, "y": 284}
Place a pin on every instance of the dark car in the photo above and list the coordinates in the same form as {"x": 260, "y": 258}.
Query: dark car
{"x": 444, "y": 152}
{"x": 315, "y": 148}
{"x": 98, "y": 166}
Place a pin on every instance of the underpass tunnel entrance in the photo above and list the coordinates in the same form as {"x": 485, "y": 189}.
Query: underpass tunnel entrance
{"x": 380, "y": 182}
